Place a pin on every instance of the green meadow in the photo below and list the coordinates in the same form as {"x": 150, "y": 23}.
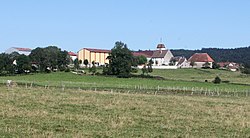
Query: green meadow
{"x": 173, "y": 79}
{"x": 61, "y": 104}
{"x": 39, "y": 112}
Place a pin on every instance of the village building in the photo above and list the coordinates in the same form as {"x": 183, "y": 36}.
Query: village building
{"x": 19, "y": 50}
{"x": 99, "y": 56}
{"x": 160, "y": 57}
{"x": 180, "y": 62}
{"x": 232, "y": 66}
{"x": 72, "y": 55}
{"x": 199, "y": 60}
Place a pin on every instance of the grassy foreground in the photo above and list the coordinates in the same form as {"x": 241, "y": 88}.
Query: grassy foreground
{"x": 74, "y": 113}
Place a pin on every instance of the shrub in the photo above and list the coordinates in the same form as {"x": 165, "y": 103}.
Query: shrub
{"x": 246, "y": 70}
{"x": 134, "y": 70}
{"x": 217, "y": 80}
{"x": 67, "y": 70}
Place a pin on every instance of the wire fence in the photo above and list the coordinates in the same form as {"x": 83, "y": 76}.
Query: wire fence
{"x": 136, "y": 89}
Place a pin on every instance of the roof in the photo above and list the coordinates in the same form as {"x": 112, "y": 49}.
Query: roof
{"x": 98, "y": 50}
{"x": 182, "y": 60}
{"x": 23, "y": 49}
{"x": 179, "y": 60}
{"x": 159, "y": 53}
{"x": 200, "y": 57}
{"x": 72, "y": 53}
{"x": 228, "y": 64}
{"x": 147, "y": 53}
{"x": 161, "y": 46}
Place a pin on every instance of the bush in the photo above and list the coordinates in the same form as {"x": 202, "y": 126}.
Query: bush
{"x": 217, "y": 80}
{"x": 134, "y": 70}
{"x": 67, "y": 70}
{"x": 246, "y": 70}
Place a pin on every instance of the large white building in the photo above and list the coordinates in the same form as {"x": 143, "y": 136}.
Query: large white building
{"x": 25, "y": 51}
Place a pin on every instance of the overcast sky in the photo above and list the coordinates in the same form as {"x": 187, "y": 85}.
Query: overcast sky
{"x": 75, "y": 24}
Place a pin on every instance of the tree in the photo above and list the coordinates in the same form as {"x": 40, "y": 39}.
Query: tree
{"x": 93, "y": 68}
{"x": 120, "y": 60}
{"x": 50, "y": 57}
{"x": 206, "y": 65}
{"x": 80, "y": 62}
{"x": 215, "y": 65}
{"x": 150, "y": 63}
{"x": 76, "y": 63}
{"x": 192, "y": 63}
{"x": 217, "y": 80}
{"x": 141, "y": 60}
{"x": 144, "y": 70}
{"x": 85, "y": 62}
{"x": 23, "y": 64}
{"x": 6, "y": 64}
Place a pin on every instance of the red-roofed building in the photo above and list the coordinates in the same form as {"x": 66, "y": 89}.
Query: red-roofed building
{"x": 20, "y": 50}
{"x": 72, "y": 55}
{"x": 232, "y": 66}
{"x": 99, "y": 56}
{"x": 198, "y": 60}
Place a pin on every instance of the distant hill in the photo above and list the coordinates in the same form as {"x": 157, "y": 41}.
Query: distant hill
{"x": 238, "y": 55}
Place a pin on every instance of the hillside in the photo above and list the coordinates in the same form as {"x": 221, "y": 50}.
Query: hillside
{"x": 238, "y": 55}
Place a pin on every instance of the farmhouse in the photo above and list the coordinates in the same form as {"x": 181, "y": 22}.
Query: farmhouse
{"x": 99, "y": 56}
{"x": 229, "y": 66}
{"x": 199, "y": 60}
{"x": 25, "y": 51}
{"x": 160, "y": 57}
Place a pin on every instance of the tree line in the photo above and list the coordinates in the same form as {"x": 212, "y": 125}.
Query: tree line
{"x": 121, "y": 62}
{"x": 40, "y": 60}
{"x": 238, "y": 55}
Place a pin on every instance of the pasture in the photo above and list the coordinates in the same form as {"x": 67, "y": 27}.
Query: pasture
{"x": 175, "y": 80}
{"x": 203, "y": 74}
{"x": 39, "y": 112}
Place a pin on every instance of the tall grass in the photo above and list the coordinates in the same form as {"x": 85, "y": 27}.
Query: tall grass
{"x": 74, "y": 113}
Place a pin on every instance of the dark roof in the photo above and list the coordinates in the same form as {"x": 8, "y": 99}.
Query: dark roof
{"x": 161, "y": 46}
{"x": 98, "y": 50}
{"x": 159, "y": 53}
{"x": 200, "y": 57}
{"x": 23, "y": 49}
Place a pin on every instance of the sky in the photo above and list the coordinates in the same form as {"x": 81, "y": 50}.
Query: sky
{"x": 141, "y": 24}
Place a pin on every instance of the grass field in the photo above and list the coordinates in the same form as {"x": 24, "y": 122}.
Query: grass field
{"x": 71, "y": 113}
{"x": 182, "y": 79}
{"x": 202, "y": 75}
{"x": 55, "y": 112}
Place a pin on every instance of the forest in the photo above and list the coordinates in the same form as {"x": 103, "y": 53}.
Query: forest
{"x": 238, "y": 55}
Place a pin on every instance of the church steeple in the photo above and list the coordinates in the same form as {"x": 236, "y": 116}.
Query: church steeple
{"x": 161, "y": 46}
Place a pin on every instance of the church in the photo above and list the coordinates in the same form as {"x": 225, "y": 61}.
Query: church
{"x": 160, "y": 57}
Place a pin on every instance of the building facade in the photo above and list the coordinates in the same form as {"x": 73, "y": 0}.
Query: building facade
{"x": 198, "y": 60}
{"x": 99, "y": 56}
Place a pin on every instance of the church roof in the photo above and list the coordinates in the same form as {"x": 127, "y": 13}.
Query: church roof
{"x": 159, "y": 53}
{"x": 146, "y": 53}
